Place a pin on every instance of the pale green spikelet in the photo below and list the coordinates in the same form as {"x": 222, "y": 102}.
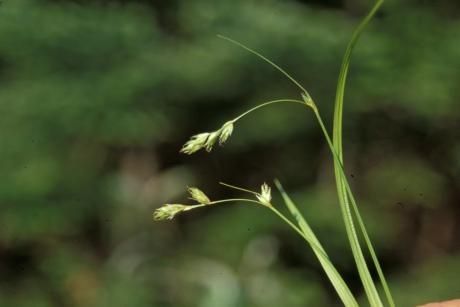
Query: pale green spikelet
{"x": 195, "y": 143}
{"x": 168, "y": 211}
{"x": 308, "y": 100}
{"x": 207, "y": 140}
{"x": 265, "y": 195}
{"x": 212, "y": 139}
{"x": 226, "y": 132}
{"x": 198, "y": 196}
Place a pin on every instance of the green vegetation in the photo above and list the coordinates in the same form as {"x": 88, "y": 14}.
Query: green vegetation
{"x": 98, "y": 96}
{"x": 206, "y": 140}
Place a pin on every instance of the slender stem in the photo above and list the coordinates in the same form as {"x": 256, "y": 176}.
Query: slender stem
{"x": 315, "y": 246}
{"x": 230, "y": 200}
{"x": 272, "y": 208}
{"x": 266, "y": 60}
{"x": 295, "y": 212}
{"x": 266, "y": 104}
{"x": 194, "y": 207}
{"x": 351, "y": 230}
{"x": 369, "y": 244}
{"x": 216, "y": 202}
{"x": 285, "y": 219}
{"x": 337, "y": 281}
{"x": 237, "y": 188}
{"x": 334, "y": 276}
{"x": 356, "y": 211}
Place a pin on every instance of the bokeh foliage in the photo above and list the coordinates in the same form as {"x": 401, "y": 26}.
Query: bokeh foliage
{"x": 96, "y": 98}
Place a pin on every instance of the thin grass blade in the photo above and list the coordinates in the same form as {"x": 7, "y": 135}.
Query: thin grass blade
{"x": 343, "y": 189}
{"x": 334, "y": 276}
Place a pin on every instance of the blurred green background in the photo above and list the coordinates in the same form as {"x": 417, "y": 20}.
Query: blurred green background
{"x": 97, "y": 97}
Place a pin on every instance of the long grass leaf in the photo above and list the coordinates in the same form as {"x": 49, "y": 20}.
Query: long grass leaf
{"x": 334, "y": 276}
{"x": 295, "y": 212}
{"x": 345, "y": 194}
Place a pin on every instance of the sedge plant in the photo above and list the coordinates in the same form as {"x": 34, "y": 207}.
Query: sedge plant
{"x": 354, "y": 224}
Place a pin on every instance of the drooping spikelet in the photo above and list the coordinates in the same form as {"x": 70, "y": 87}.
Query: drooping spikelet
{"x": 168, "y": 211}
{"x": 227, "y": 130}
{"x": 212, "y": 139}
{"x": 198, "y": 196}
{"x": 207, "y": 140}
{"x": 195, "y": 143}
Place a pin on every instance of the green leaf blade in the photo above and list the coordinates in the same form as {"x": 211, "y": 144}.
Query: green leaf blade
{"x": 334, "y": 276}
{"x": 343, "y": 188}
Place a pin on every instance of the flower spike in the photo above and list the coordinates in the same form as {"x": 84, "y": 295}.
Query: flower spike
{"x": 207, "y": 140}
{"x": 195, "y": 143}
{"x": 198, "y": 196}
{"x": 227, "y": 130}
{"x": 168, "y": 211}
{"x": 265, "y": 195}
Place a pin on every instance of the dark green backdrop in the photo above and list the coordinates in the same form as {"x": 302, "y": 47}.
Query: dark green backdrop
{"x": 97, "y": 97}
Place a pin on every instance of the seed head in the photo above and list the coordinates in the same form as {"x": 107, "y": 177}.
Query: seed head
{"x": 212, "y": 139}
{"x": 198, "y": 196}
{"x": 195, "y": 143}
{"x": 308, "y": 100}
{"x": 226, "y": 132}
{"x": 265, "y": 195}
{"x": 168, "y": 211}
{"x": 207, "y": 140}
